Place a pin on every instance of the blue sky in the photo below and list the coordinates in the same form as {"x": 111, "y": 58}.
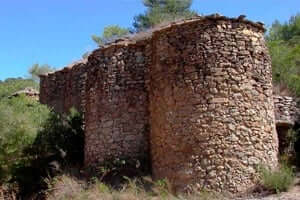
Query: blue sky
{"x": 58, "y": 32}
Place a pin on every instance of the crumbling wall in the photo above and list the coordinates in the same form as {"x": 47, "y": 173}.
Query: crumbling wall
{"x": 286, "y": 111}
{"x": 287, "y": 114}
{"x": 199, "y": 91}
{"x": 211, "y": 106}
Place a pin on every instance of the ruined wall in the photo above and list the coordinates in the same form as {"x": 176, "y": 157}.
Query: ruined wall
{"x": 116, "y": 113}
{"x": 287, "y": 114}
{"x": 211, "y": 106}
{"x": 286, "y": 111}
{"x": 199, "y": 91}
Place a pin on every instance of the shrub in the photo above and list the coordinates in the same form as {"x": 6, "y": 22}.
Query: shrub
{"x": 59, "y": 141}
{"x": 279, "y": 180}
{"x": 20, "y": 118}
{"x": 61, "y": 137}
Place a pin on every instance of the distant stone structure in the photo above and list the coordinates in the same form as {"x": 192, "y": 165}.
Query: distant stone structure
{"x": 287, "y": 111}
{"x": 29, "y": 92}
{"x": 287, "y": 114}
{"x": 196, "y": 95}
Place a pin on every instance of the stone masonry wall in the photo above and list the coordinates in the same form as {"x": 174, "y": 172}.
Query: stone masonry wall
{"x": 287, "y": 114}
{"x": 286, "y": 111}
{"x": 64, "y": 89}
{"x": 116, "y": 112}
{"x": 211, "y": 106}
{"x": 198, "y": 91}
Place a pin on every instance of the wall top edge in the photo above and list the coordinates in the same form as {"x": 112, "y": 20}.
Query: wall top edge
{"x": 143, "y": 37}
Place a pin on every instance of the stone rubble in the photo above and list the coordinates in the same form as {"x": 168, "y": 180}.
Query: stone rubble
{"x": 29, "y": 92}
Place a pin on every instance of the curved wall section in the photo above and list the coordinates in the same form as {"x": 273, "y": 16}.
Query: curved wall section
{"x": 198, "y": 91}
{"x": 211, "y": 106}
{"x": 116, "y": 111}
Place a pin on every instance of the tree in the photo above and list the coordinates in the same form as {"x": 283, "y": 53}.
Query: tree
{"x": 286, "y": 31}
{"x": 283, "y": 40}
{"x": 36, "y": 70}
{"x": 162, "y": 10}
{"x": 86, "y": 55}
{"x": 110, "y": 34}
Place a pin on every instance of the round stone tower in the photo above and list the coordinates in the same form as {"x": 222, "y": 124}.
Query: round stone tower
{"x": 211, "y": 106}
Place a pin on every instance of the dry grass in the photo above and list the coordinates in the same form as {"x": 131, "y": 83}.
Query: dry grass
{"x": 8, "y": 192}
{"x": 69, "y": 188}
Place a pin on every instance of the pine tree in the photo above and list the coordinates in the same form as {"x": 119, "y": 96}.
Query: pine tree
{"x": 159, "y": 11}
{"x": 109, "y": 34}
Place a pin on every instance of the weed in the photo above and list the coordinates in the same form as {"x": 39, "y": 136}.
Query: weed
{"x": 279, "y": 180}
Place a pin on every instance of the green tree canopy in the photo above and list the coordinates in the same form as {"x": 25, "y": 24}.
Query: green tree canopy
{"x": 162, "y": 10}
{"x": 283, "y": 40}
{"x": 109, "y": 34}
{"x": 36, "y": 70}
{"x": 287, "y": 31}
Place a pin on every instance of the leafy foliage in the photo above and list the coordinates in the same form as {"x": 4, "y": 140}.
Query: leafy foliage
{"x": 20, "y": 119}
{"x": 36, "y": 70}
{"x": 62, "y": 136}
{"x": 58, "y": 143}
{"x": 284, "y": 44}
{"x": 32, "y": 138}
{"x": 162, "y": 10}
{"x": 110, "y": 34}
{"x": 287, "y": 31}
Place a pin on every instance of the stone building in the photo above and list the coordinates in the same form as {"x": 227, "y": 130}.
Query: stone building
{"x": 195, "y": 95}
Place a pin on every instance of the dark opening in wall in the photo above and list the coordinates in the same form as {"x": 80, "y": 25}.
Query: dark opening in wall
{"x": 283, "y": 138}
{"x": 297, "y": 142}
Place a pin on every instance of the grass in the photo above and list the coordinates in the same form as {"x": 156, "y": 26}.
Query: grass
{"x": 67, "y": 187}
{"x": 279, "y": 180}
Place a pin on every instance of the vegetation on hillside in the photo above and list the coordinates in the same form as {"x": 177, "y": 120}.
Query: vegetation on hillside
{"x": 12, "y": 85}
{"x": 20, "y": 119}
{"x": 283, "y": 40}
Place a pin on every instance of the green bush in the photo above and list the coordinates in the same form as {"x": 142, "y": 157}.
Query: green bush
{"x": 62, "y": 136}
{"x": 20, "y": 119}
{"x": 279, "y": 180}
{"x": 58, "y": 142}
{"x": 283, "y": 41}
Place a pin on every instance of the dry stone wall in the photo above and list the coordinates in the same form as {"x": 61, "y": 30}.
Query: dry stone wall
{"x": 286, "y": 111}
{"x": 287, "y": 115}
{"x": 64, "y": 89}
{"x": 197, "y": 95}
{"x": 116, "y": 112}
{"x": 211, "y": 106}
